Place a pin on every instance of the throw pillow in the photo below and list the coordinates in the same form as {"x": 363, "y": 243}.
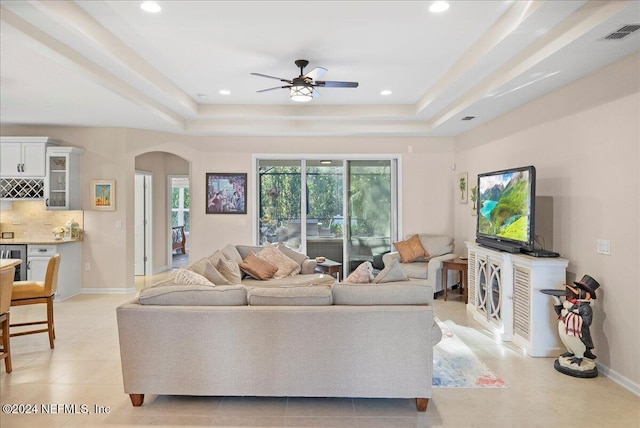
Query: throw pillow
{"x": 258, "y": 268}
{"x": 286, "y": 266}
{"x": 230, "y": 270}
{"x": 362, "y": 275}
{"x": 292, "y": 254}
{"x": 205, "y": 268}
{"x": 411, "y": 249}
{"x": 185, "y": 276}
{"x": 391, "y": 273}
{"x": 231, "y": 253}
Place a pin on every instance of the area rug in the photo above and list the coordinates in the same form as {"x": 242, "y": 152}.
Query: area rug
{"x": 456, "y": 366}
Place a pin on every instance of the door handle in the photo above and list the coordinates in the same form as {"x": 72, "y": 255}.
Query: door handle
{"x": 29, "y": 265}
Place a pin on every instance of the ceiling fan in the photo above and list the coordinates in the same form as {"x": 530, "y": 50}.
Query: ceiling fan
{"x": 302, "y": 88}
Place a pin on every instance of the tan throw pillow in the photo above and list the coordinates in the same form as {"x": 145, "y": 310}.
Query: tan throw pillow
{"x": 292, "y": 254}
{"x": 286, "y": 266}
{"x": 391, "y": 273}
{"x": 230, "y": 270}
{"x": 411, "y": 249}
{"x": 205, "y": 268}
{"x": 362, "y": 275}
{"x": 258, "y": 268}
{"x": 187, "y": 277}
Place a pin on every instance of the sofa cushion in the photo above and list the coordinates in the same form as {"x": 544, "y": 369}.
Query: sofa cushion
{"x": 230, "y": 270}
{"x": 311, "y": 295}
{"x": 205, "y": 268}
{"x": 411, "y": 249}
{"x": 258, "y": 268}
{"x": 363, "y": 274}
{"x": 187, "y": 277}
{"x": 404, "y": 293}
{"x": 193, "y": 295}
{"x": 307, "y": 279}
{"x": 391, "y": 273}
{"x": 272, "y": 255}
{"x": 436, "y": 245}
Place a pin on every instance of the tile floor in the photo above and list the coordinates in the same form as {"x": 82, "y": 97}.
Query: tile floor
{"x": 84, "y": 368}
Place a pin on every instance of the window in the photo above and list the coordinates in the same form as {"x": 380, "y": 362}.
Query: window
{"x": 180, "y": 202}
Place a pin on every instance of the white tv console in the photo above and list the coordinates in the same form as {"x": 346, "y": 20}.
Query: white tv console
{"x": 504, "y": 297}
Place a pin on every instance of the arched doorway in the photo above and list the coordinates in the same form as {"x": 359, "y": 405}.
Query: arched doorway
{"x": 159, "y": 167}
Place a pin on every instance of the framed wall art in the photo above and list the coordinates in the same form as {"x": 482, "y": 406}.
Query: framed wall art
{"x": 462, "y": 187}
{"x": 103, "y": 195}
{"x": 226, "y": 193}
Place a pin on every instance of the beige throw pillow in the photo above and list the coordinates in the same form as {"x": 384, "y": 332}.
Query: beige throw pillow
{"x": 185, "y": 276}
{"x": 411, "y": 249}
{"x": 391, "y": 273}
{"x": 258, "y": 268}
{"x": 286, "y": 266}
{"x": 205, "y": 268}
{"x": 230, "y": 270}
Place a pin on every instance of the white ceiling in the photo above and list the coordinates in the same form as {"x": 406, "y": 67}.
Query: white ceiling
{"x": 108, "y": 63}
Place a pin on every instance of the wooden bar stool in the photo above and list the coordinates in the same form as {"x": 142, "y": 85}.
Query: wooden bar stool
{"x": 6, "y": 283}
{"x": 34, "y": 292}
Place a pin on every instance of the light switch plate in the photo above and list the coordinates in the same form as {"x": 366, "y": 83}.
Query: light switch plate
{"x": 603, "y": 246}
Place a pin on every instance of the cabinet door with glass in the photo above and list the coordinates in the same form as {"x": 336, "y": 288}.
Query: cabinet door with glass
{"x": 62, "y": 183}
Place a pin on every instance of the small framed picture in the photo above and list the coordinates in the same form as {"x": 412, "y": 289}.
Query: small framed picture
{"x": 103, "y": 195}
{"x": 462, "y": 187}
{"x": 226, "y": 193}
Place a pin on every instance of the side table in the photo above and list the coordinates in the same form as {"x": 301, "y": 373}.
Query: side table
{"x": 330, "y": 267}
{"x": 458, "y": 265}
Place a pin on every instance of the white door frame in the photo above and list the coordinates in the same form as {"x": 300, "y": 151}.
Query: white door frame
{"x": 147, "y": 248}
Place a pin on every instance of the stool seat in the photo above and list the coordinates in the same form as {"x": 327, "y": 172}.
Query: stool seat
{"x": 28, "y": 290}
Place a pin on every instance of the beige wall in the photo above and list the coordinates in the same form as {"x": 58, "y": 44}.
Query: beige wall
{"x": 116, "y": 153}
{"x": 583, "y": 141}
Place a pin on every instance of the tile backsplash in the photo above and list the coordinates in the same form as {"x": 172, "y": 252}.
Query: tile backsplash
{"x": 31, "y": 219}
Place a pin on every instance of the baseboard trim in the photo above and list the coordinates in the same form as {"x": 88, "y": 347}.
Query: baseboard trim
{"x": 619, "y": 379}
{"x": 108, "y": 290}
{"x": 160, "y": 270}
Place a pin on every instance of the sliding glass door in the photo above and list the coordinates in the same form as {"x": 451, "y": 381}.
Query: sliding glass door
{"x": 371, "y": 211}
{"x": 339, "y": 208}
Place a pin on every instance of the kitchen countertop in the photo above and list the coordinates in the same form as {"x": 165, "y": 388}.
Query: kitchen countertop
{"x": 36, "y": 240}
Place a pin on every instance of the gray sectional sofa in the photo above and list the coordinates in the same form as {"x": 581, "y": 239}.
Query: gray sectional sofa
{"x": 340, "y": 340}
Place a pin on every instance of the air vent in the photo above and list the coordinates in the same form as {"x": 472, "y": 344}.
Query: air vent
{"x": 623, "y": 32}
{"x": 468, "y": 118}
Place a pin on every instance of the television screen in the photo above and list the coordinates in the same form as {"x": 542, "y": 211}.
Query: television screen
{"x": 506, "y": 209}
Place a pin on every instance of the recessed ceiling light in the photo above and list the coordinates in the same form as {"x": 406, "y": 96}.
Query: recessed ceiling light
{"x": 386, "y": 92}
{"x": 224, "y": 92}
{"x": 150, "y": 6}
{"x": 438, "y": 7}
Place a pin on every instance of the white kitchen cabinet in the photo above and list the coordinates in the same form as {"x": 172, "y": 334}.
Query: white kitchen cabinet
{"x": 504, "y": 296}
{"x": 62, "y": 184}
{"x": 69, "y": 274}
{"x": 24, "y": 156}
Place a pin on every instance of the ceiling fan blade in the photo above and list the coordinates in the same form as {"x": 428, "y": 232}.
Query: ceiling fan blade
{"x": 333, "y": 84}
{"x": 316, "y": 73}
{"x": 276, "y": 87}
{"x": 315, "y": 93}
{"x": 271, "y": 77}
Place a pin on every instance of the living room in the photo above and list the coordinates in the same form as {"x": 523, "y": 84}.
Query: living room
{"x": 582, "y": 139}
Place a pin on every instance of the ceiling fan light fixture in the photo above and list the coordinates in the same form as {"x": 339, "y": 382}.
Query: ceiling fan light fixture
{"x": 438, "y": 6}
{"x": 301, "y": 93}
{"x": 150, "y": 6}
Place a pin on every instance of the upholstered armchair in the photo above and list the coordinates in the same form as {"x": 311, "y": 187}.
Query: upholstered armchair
{"x": 438, "y": 247}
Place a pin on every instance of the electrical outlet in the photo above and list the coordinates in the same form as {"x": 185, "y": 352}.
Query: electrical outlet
{"x": 118, "y": 224}
{"x": 87, "y": 267}
{"x": 603, "y": 246}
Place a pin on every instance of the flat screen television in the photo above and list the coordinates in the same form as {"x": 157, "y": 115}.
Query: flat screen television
{"x": 506, "y": 206}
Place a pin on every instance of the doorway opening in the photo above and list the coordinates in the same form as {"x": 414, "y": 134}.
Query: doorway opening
{"x": 180, "y": 220}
